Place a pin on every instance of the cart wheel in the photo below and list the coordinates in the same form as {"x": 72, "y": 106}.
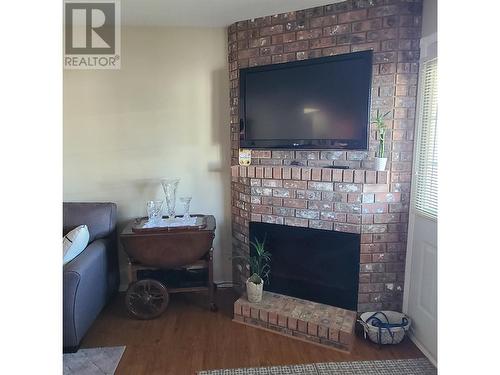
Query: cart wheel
{"x": 146, "y": 299}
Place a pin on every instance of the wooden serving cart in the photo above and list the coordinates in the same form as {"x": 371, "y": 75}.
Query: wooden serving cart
{"x": 156, "y": 258}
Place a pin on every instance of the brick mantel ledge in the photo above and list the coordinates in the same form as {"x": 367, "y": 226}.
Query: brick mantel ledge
{"x": 357, "y": 176}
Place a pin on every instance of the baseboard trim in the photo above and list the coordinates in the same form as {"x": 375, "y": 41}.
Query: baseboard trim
{"x": 422, "y": 348}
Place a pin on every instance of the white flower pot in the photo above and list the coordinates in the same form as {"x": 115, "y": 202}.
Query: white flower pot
{"x": 254, "y": 291}
{"x": 380, "y": 164}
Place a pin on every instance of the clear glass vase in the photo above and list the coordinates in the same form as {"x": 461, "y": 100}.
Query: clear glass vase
{"x": 185, "y": 207}
{"x": 170, "y": 189}
{"x": 154, "y": 209}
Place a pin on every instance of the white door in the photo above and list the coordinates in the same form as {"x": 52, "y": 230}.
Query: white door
{"x": 421, "y": 289}
{"x": 420, "y": 296}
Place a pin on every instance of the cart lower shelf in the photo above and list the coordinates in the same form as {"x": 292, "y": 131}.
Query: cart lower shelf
{"x": 148, "y": 293}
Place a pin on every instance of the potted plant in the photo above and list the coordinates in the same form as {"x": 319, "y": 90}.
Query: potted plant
{"x": 380, "y": 159}
{"x": 259, "y": 268}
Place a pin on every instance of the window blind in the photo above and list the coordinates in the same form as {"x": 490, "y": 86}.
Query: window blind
{"x": 426, "y": 197}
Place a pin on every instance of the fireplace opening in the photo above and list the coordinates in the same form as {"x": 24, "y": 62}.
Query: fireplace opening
{"x": 311, "y": 264}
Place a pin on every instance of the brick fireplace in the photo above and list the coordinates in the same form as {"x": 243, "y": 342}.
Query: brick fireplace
{"x": 296, "y": 188}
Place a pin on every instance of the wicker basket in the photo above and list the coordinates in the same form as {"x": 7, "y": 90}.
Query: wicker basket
{"x": 385, "y": 335}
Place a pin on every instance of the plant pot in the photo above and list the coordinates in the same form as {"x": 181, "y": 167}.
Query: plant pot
{"x": 380, "y": 164}
{"x": 254, "y": 291}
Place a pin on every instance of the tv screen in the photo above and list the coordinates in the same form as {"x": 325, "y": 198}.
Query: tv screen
{"x": 317, "y": 103}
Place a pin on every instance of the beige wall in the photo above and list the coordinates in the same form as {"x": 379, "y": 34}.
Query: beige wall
{"x": 164, "y": 114}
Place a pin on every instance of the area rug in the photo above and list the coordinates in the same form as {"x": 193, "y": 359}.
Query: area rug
{"x": 94, "y": 361}
{"x": 419, "y": 366}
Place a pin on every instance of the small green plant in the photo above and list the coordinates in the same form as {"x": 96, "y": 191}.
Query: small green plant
{"x": 259, "y": 263}
{"x": 381, "y": 128}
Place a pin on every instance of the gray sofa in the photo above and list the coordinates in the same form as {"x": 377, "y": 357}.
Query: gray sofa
{"x": 92, "y": 277}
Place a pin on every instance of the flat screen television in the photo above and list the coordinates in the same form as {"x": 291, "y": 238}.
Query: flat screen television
{"x": 309, "y": 104}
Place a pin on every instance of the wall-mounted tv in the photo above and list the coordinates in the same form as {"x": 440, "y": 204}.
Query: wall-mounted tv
{"x": 309, "y": 104}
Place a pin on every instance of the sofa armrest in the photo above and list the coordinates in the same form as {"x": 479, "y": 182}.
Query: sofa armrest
{"x": 85, "y": 291}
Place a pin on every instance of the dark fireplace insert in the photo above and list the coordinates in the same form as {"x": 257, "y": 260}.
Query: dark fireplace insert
{"x": 311, "y": 264}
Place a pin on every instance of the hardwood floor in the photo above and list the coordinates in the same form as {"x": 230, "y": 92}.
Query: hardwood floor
{"x": 188, "y": 338}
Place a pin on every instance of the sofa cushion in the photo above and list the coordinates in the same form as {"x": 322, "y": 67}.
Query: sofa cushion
{"x": 75, "y": 242}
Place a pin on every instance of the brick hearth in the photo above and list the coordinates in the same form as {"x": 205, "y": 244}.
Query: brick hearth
{"x": 305, "y": 195}
{"x": 304, "y": 320}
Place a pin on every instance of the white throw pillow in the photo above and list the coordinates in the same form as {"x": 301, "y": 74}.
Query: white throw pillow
{"x": 75, "y": 242}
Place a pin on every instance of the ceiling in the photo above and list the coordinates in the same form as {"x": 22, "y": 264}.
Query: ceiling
{"x": 206, "y": 13}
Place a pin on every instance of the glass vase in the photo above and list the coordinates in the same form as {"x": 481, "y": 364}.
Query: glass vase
{"x": 154, "y": 209}
{"x": 170, "y": 190}
{"x": 185, "y": 207}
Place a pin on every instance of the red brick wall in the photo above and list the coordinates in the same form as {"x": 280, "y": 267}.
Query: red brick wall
{"x": 392, "y": 29}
